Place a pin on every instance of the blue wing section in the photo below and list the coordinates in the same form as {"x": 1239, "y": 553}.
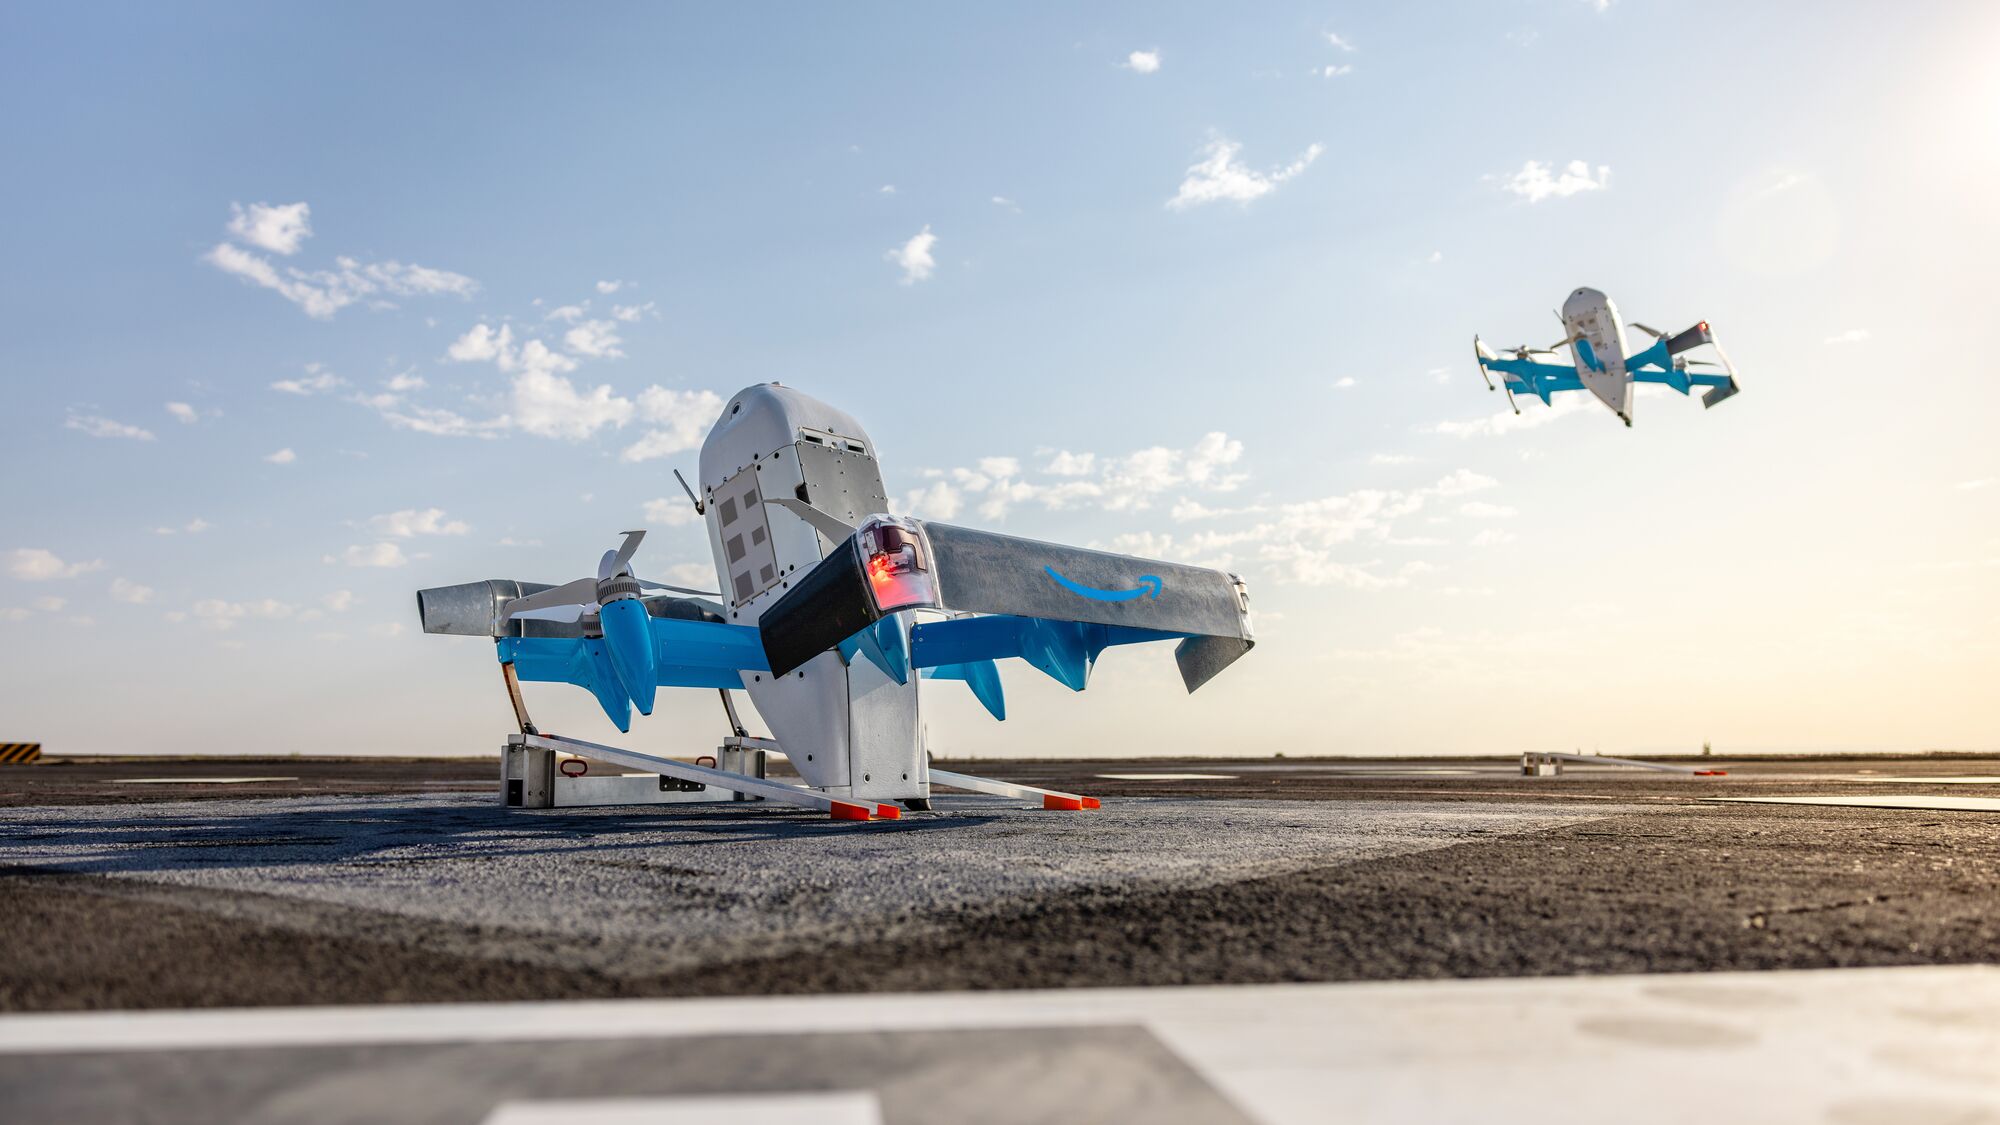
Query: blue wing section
{"x": 693, "y": 654}
{"x": 983, "y": 677}
{"x": 1065, "y": 650}
{"x": 1538, "y": 379}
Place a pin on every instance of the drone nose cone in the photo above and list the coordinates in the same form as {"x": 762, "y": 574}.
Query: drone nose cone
{"x": 628, "y": 636}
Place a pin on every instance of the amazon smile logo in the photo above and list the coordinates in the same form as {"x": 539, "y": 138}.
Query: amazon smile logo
{"x": 1149, "y": 587}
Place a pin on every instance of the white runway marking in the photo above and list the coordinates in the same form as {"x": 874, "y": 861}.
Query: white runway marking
{"x": 1169, "y": 776}
{"x": 1825, "y": 1045}
{"x": 1941, "y": 780}
{"x": 844, "y": 1108}
{"x": 195, "y": 780}
{"x": 1941, "y": 804}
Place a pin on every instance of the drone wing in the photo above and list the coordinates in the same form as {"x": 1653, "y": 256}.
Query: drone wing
{"x": 1055, "y": 606}
{"x": 692, "y": 646}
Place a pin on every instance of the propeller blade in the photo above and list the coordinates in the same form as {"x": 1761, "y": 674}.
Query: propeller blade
{"x": 646, "y": 584}
{"x": 1653, "y": 332}
{"x": 1701, "y": 363}
{"x": 583, "y": 591}
{"x": 826, "y": 523}
{"x": 620, "y": 560}
{"x": 567, "y": 614}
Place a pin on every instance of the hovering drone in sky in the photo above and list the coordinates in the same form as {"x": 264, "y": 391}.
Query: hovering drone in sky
{"x": 832, "y": 613}
{"x": 1601, "y": 362}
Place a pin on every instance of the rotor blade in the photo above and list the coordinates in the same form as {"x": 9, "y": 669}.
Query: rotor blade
{"x": 824, "y": 522}
{"x": 621, "y": 559}
{"x": 1653, "y": 332}
{"x": 1701, "y": 363}
{"x": 566, "y": 614}
{"x": 583, "y": 591}
{"x": 645, "y": 584}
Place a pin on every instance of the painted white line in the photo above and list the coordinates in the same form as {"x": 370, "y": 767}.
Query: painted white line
{"x": 195, "y": 780}
{"x": 1169, "y": 776}
{"x": 1823, "y": 1045}
{"x": 1940, "y": 804}
{"x": 1941, "y": 780}
{"x": 844, "y": 1108}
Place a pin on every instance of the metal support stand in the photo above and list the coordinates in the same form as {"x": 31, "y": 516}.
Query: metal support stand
{"x": 700, "y": 778}
{"x": 1549, "y": 764}
{"x": 1050, "y": 798}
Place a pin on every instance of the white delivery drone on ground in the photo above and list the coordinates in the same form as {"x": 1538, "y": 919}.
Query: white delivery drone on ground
{"x": 1601, "y": 363}
{"x": 832, "y": 616}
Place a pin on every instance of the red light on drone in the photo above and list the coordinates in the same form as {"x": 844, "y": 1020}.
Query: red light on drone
{"x": 878, "y": 569}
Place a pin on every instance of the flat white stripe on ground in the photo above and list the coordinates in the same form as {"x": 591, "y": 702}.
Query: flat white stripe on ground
{"x": 1892, "y": 801}
{"x": 1841, "y": 1045}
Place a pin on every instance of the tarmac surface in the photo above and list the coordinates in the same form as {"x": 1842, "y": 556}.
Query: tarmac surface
{"x": 372, "y": 881}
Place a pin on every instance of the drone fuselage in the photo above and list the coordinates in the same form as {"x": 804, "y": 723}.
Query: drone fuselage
{"x": 848, "y": 728}
{"x": 1597, "y": 344}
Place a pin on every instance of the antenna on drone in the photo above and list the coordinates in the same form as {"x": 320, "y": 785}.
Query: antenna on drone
{"x": 698, "y": 509}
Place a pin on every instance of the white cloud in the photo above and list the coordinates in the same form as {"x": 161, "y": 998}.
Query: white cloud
{"x": 1067, "y": 464}
{"x": 412, "y": 522}
{"x": 914, "y": 257}
{"x": 1335, "y": 70}
{"x": 192, "y": 527}
{"x": 1003, "y": 201}
{"x": 14, "y": 613}
{"x": 609, "y": 287}
{"x": 679, "y": 420}
{"x": 1339, "y": 42}
{"x": 1976, "y": 485}
{"x": 569, "y": 314}
{"x": 1851, "y": 336}
{"x": 1143, "y": 62}
{"x": 671, "y": 511}
{"x": 49, "y": 603}
{"x": 481, "y": 344}
{"x": 1343, "y": 383}
{"x": 1481, "y": 510}
{"x": 939, "y": 501}
{"x": 1218, "y": 176}
{"x": 322, "y": 293}
{"x": 1436, "y": 257}
{"x": 35, "y": 564}
{"x": 377, "y": 555}
{"x": 886, "y": 189}
{"x": 597, "y": 339}
{"x": 339, "y": 601}
{"x": 630, "y": 313}
{"x": 1532, "y": 414}
{"x": 219, "y": 615}
{"x": 183, "y": 413}
{"x": 386, "y": 629}
{"x": 125, "y": 590}
{"x": 318, "y": 380}
{"x": 99, "y": 427}
{"x": 1492, "y": 537}
{"x": 404, "y": 383}
{"x": 282, "y": 457}
{"x": 279, "y": 229}
{"x": 1392, "y": 459}
{"x": 549, "y": 405}
{"x": 1537, "y": 181}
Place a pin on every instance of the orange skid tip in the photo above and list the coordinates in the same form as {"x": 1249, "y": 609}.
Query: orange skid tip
{"x": 843, "y": 811}
{"x": 1092, "y": 803}
{"x": 1067, "y": 804}
{"x": 888, "y": 812}
{"x": 1711, "y": 773}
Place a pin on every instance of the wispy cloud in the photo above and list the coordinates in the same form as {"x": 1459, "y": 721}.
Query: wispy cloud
{"x": 1537, "y": 181}
{"x": 411, "y": 522}
{"x": 320, "y": 293}
{"x": 316, "y": 381}
{"x": 38, "y": 564}
{"x": 1220, "y": 177}
{"x": 283, "y": 456}
{"x": 101, "y": 427}
{"x": 1851, "y": 336}
{"x": 1143, "y": 62}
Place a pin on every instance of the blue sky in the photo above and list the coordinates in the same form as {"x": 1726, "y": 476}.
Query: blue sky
{"x": 308, "y": 309}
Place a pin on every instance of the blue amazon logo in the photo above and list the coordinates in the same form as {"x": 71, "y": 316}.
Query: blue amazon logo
{"x": 1149, "y": 587}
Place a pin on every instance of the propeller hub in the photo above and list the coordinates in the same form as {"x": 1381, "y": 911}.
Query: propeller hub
{"x": 618, "y": 587}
